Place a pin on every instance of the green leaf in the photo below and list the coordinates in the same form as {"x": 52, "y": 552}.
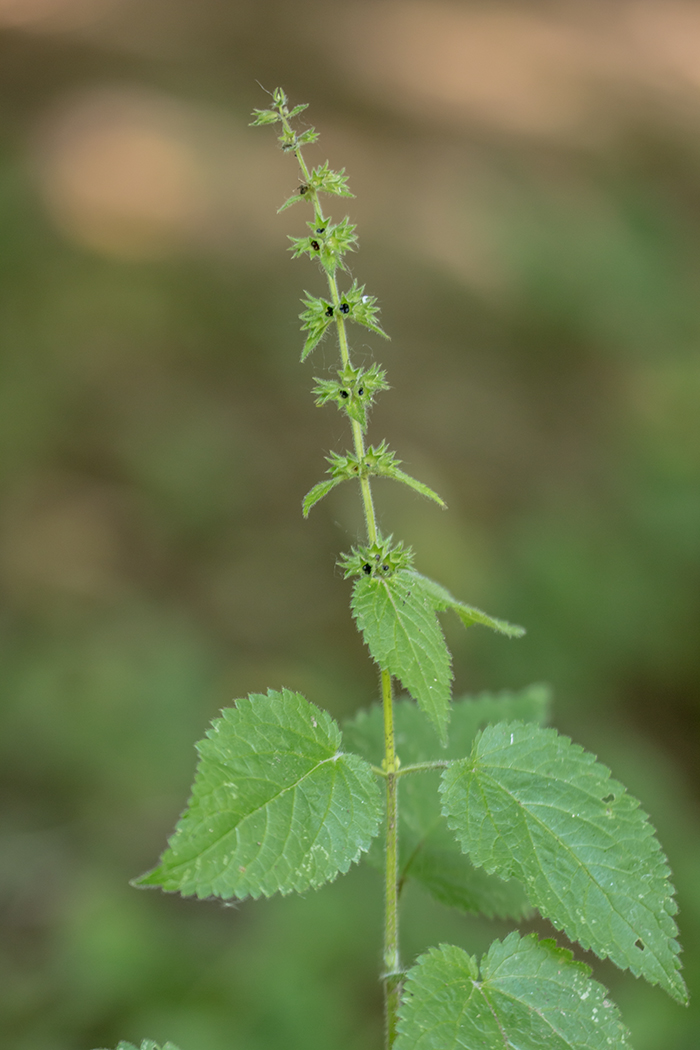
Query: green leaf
{"x": 528, "y": 803}
{"x": 276, "y": 806}
{"x": 414, "y": 738}
{"x": 294, "y": 199}
{"x": 401, "y": 630}
{"x": 380, "y": 461}
{"x": 528, "y": 995}
{"x": 418, "y": 486}
{"x": 443, "y": 601}
{"x": 429, "y": 853}
{"x": 377, "y": 461}
{"x": 147, "y": 1044}
{"x": 453, "y": 880}
{"x": 317, "y": 493}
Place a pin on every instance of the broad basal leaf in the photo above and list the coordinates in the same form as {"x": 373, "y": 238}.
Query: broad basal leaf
{"x": 399, "y": 625}
{"x": 275, "y": 806}
{"x": 429, "y": 853}
{"x": 527, "y": 996}
{"x": 528, "y": 803}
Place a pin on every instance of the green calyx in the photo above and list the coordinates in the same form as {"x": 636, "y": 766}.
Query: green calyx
{"x": 322, "y": 179}
{"x": 327, "y": 242}
{"x": 353, "y": 305}
{"x": 353, "y": 392}
{"x": 376, "y": 461}
{"x": 289, "y": 139}
{"x": 379, "y": 559}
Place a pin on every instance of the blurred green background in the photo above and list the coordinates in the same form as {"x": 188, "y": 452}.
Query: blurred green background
{"x": 528, "y": 199}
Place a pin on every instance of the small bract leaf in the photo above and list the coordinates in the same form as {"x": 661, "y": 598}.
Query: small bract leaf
{"x": 467, "y": 613}
{"x": 417, "y": 486}
{"x": 528, "y": 803}
{"x": 401, "y": 630}
{"x": 317, "y": 493}
{"x": 529, "y": 995}
{"x": 276, "y": 806}
{"x": 297, "y": 196}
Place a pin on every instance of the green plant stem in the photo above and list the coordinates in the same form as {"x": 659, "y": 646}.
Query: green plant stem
{"x": 392, "y": 964}
{"x": 357, "y": 435}
{"x": 392, "y": 967}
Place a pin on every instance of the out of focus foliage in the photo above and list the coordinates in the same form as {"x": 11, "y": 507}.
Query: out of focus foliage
{"x": 528, "y": 206}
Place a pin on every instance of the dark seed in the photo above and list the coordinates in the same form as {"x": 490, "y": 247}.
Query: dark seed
{"x": 367, "y": 568}
{"x": 361, "y": 391}
{"x": 344, "y": 394}
{"x": 344, "y": 308}
{"x": 316, "y": 246}
{"x": 321, "y": 229}
{"x": 385, "y": 568}
{"x": 303, "y": 190}
{"x": 329, "y": 311}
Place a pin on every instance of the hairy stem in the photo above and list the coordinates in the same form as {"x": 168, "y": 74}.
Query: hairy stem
{"x": 392, "y": 967}
{"x": 357, "y": 435}
{"x": 392, "y": 964}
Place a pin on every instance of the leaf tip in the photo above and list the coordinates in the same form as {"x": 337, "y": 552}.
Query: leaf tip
{"x": 149, "y": 880}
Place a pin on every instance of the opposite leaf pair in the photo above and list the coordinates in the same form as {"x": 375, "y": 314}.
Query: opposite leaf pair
{"x": 277, "y": 806}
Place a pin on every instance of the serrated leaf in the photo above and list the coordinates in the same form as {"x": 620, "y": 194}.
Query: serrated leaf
{"x": 429, "y": 853}
{"x": 276, "y": 806}
{"x": 468, "y": 614}
{"x": 401, "y": 630}
{"x": 147, "y": 1044}
{"x": 528, "y": 995}
{"x": 528, "y": 803}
